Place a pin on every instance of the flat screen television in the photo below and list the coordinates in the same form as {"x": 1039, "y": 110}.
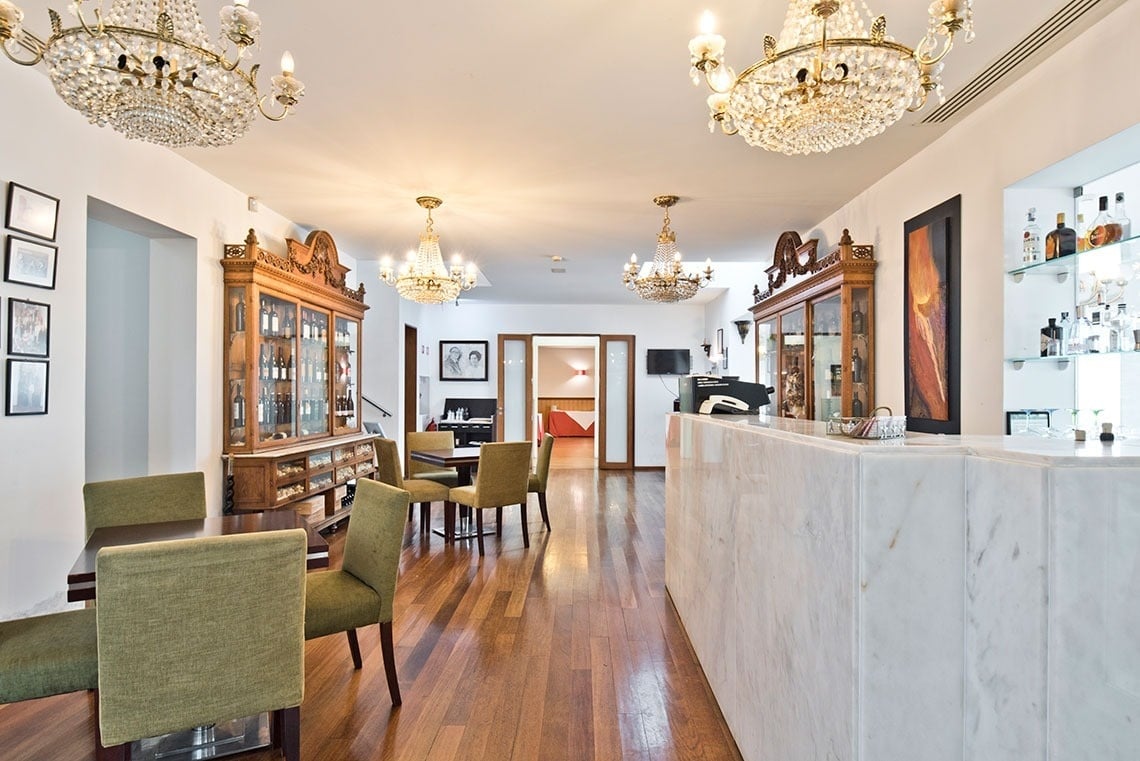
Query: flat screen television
{"x": 667, "y": 362}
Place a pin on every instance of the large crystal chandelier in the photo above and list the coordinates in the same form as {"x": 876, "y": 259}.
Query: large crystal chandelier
{"x": 826, "y": 83}
{"x": 147, "y": 69}
{"x": 664, "y": 279}
{"x": 424, "y": 277}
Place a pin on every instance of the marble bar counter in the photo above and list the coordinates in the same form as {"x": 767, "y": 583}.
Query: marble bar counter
{"x": 933, "y": 598}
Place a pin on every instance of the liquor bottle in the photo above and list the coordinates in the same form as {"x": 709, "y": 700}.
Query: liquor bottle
{"x": 856, "y": 366}
{"x": 1062, "y": 241}
{"x": 1104, "y": 229}
{"x": 262, "y": 367}
{"x": 304, "y": 326}
{"x": 1079, "y": 333}
{"x": 274, "y": 322}
{"x": 1051, "y": 339}
{"x": 1120, "y": 329}
{"x": 261, "y": 407}
{"x": 263, "y": 317}
{"x": 282, "y": 368}
{"x": 1031, "y": 239}
{"x": 1082, "y": 234}
{"x": 1066, "y": 326}
{"x": 292, "y": 374}
{"x": 858, "y": 321}
{"x": 1094, "y": 341}
{"x": 239, "y": 315}
{"x": 1122, "y": 218}
{"x": 238, "y": 407}
{"x": 856, "y": 406}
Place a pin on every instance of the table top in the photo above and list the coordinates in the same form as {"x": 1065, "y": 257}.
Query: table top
{"x": 447, "y": 458}
{"x": 81, "y": 579}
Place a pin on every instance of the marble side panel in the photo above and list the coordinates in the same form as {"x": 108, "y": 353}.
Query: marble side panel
{"x": 1006, "y": 595}
{"x": 1094, "y": 615}
{"x": 911, "y": 543}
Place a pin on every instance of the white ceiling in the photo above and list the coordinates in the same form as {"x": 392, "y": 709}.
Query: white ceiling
{"x": 546, "y": 128}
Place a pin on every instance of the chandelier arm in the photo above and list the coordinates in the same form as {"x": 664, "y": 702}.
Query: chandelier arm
{"x": 840, "y": 42}
{"x": 947, "y": 45}
{"x": 28, "y": 42}
{"x": 285, "y": 110}
{"x": 210, "y": 56}
{"x": 99, "y": 27}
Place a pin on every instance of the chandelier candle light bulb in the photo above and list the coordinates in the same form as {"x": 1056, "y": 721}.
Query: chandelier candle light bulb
{"x": 834, "y": 78}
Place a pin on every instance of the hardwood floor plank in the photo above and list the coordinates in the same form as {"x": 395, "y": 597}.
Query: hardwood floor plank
{"x": 569, "y": 650}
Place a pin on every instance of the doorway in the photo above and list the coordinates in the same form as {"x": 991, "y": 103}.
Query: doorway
{"x": 566, "y": 397}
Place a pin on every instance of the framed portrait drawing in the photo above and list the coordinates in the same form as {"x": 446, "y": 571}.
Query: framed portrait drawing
{"x": 27, "y": 387}
{"x": 932, "y": 318}
{"x": 463, "y": 360}
{"x": 29, "y": 262}
{"x": 32, "y": 212}
{"x": 29, "y": 328}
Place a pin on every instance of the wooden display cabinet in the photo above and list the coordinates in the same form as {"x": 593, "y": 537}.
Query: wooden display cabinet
{"x": 815, "y": 326}
{"x": 291, "y": 362}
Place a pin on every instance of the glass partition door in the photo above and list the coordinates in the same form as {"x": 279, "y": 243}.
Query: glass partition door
{"x": 793, "y": 364}
{"x": 826, "y": 358}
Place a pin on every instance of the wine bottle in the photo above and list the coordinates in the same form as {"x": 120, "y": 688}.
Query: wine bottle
{"x": 288, "y": 324}
{"x": 263, "y": 316}
{"x": 1031, "y": 239}
{"x": 858, "y": 321}
{"x": 238, "y": 407}
{"x": 856, "y": 406}
{"x": 239, "y": 315}
{"x": 274, "y": 322}
{"x": 261, "y": 407}
{"x": 856, "y": 366}
{"x": 1062, "y": 241}
{"x": 292, "y": 369}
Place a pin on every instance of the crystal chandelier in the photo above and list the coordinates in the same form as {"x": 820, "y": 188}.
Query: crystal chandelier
{"x": 424, "y": 277}
{"x": 827, "y": 83}
{"x": 147, "y": 69}
{"x": 664, "y": 279}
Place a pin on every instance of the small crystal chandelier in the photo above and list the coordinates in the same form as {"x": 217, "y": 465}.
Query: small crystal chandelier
{"x": 664, "y": 279}
{"x": 147, "y": 69}
{"x": 424, "y": 277}
{"x": 827, "y": 83}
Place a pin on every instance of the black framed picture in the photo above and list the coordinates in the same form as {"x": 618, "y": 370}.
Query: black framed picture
{"x": 29, "y": 262}
{"x": 932, "y": 255}
{"x": 723, "y": 347}
{"x": 1026, "y": 422}
{"x": 463, "y": 360}
{"x": 27, "y": 387}
{"x": 29, "y": 328}
{"x": 32, "y": 212}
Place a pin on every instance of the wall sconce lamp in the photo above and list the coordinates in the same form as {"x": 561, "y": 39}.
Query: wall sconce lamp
{"x": 743, "y": 325}
{"x": 707, "y": 347}
{"x": 581, "y": 373}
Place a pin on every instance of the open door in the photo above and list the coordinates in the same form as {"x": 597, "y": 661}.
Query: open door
{"x": 615, "y": 403}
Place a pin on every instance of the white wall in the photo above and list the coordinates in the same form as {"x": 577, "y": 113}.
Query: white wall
{"x": 53, "y": 149}
{"x": 670, "y": 326}
{"x": 556, "y": 369}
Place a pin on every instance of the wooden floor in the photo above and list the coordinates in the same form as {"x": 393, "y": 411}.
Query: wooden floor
{"x": 569, "y": 650}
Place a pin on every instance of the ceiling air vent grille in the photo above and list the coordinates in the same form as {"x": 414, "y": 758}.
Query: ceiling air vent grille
{"x": 1031, "y": 44}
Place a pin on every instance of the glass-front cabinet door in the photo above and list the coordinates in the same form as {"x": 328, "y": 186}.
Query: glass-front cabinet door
{"x": 276, "y": 368}
{"x": 314, "y": 373}
{"x": 767, "y": 355}
{"x": 862, "y": 360}
{"x": 346, "y": 375}
{"x": 826, "y": 358}
{"x": 793, "y": 363}
{"x": 237, "y": 381}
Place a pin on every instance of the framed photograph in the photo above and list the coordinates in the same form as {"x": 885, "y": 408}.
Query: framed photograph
{"x": 29, "y": 328}
{"x": 1027, "y": 422}
{"x": 931, "y": 318}
{"x": 463, "y": 360}
{"x": 29, "y": 262}
{"x": 27, "y": 387}
{"x": 32, "y": 212}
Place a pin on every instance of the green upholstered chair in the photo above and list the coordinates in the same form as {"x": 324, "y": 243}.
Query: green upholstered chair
{"x": 197, "y": 631}
{"x": 537, "y": 482}
{"x": 361, "y": 592}
{"x": 431, "y": 440}
{"x": 48, "y": 655}
{"x": 501, "y": 480}
{"x": 421, "y": 490}
{"x": 147, "y": 499}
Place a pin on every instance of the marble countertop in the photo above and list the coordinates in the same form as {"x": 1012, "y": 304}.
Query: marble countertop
{"x": 1033, "y": 449}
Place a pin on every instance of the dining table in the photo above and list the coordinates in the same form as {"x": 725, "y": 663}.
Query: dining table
{"x": 81, "y": 578}
{"x": 464, "y": 460}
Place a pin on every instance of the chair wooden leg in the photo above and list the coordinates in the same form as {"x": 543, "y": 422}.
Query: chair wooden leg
{"x": 275, "y": 729}
{"x": 114, "y": 753}
{"x": 354, "y": 648}
{"x": 409, "y": 512}
{"x": 390, "y": 661}
{"x": 499, "y": 522}
{"x": 542, "y": 508}
{"x": 425, "y": 517}
{"x": 526, "y": 533}
{"x": 289, "y": 722}
{"x": 479, "y": 528}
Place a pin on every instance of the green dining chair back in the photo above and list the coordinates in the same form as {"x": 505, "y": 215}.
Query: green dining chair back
{"x": 537, "y": 481}
{"x": 427, "y": 440}
{"x": 48, "y": 655}
{"x": 362, "y": 591}
{"x": 420, "y": 490}
{"x": 504, "y": 470}
{"x": 193, "y": 632}
{"x": 147, "y": 499}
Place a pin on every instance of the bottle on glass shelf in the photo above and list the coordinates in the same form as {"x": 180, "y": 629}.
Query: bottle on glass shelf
{"x": 239, "y": 315}
{"x": 856, "y": 406}
{"x": 1079, "y": 333}
{"x": 1095, "y": 340}
{"x": 858, "y": 321}
{"x": 1104, "y": 229}
{"x": 856, "y": 366}
{"x": 238, "y": 407}
{"x": 1051, "y": 339}
{"x": 292, "y": 369}
{"x": 263, "y": 318}
{"x": 274, "y": 322}
{"x": 1066, "y": 326}
{"x": 1122, "y": 218}
{"x": 1120, "y": 330}
{"x": 1082, "y": 234}
{"x": 1031, "y": 250}
{"x": 288, "y": 324}
{"x": 1062, "y": 241}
